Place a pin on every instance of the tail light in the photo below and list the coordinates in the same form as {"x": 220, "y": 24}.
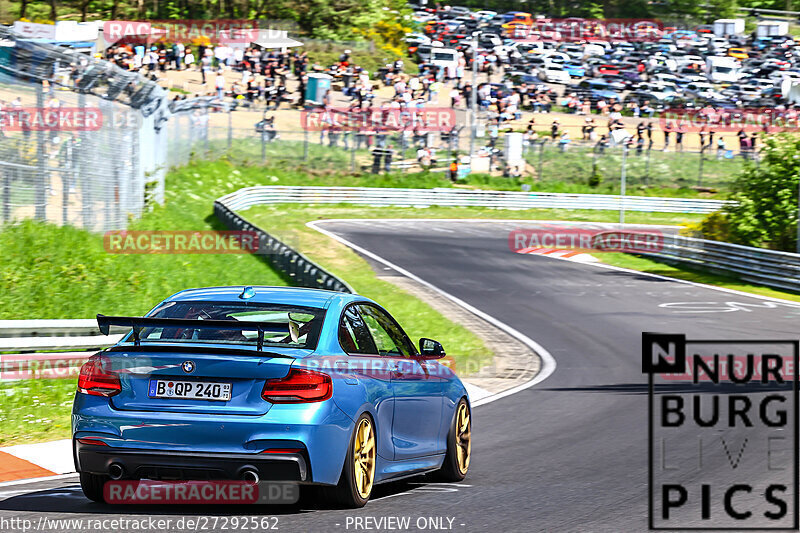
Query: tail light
{"x": 283, "y": 450}
{"x": 300, "y": 386}
{"x": 92, "y": 442}
{"x": 96, "y": 379}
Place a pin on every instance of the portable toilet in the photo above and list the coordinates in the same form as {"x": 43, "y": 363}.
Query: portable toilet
{"x": 726, "y": 27}
{"x": 772, "y": 28}
{"x": 316, "y": 87}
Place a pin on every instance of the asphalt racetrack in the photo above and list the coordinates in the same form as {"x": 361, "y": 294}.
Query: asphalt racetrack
{"x": 568, "y": 454}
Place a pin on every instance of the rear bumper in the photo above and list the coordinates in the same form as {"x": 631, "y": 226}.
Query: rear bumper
{"x": 158, "y": 464}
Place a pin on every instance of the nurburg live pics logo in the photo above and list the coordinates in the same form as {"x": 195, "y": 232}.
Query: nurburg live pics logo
{"x": 722, "y": 433}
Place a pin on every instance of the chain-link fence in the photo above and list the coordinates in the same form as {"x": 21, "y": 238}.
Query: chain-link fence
{"x": 81, "y": 141}
{"x": 593, "y": 165}
{"x": 546, "y": 159}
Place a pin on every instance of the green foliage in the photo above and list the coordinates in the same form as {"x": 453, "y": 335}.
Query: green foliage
{"x": 765, "y": 213}
{"x": 595, "y": 179}
{"x": 323, "y": 19}
{"x": 35, "y": 410}
{"x": 715, "y": 227}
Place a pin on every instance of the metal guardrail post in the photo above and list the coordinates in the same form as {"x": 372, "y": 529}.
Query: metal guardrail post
{"x": 263, "y": 148}
{"x": 700, "y": 167}
{"x": 622, "y": 184}
{"x": 206, "y": 131}
{"x": 41, "y": 162}
{"x": 541, "y": 160}
{"x": 7, "y": 193}
{"x": 230, "y": 128}
{"x": 352, "y": 153}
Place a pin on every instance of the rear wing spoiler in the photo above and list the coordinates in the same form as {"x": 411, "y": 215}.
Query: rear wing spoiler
{"x": 136, "y": 323}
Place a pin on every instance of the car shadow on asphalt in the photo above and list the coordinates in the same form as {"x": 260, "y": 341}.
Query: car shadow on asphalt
{"x": 68, "y": 499}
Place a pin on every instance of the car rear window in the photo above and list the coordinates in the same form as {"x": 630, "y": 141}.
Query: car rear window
{"x": 284, "y": 325}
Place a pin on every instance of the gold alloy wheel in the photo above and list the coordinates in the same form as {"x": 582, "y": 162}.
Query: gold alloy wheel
{"x": 364, "y": 458}
{"x": 463, "y": 438}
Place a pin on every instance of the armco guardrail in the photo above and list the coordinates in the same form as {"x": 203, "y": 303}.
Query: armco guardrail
{"x": 20, "y": 336}
{"x": 771, "y": 268}
{"x": 780, "y": 270}
{"x": 385, "y": 197}
{"x": 298, "y": 267}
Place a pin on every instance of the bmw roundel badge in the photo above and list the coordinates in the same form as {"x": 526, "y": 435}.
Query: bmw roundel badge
{"x": 188, "y": 366}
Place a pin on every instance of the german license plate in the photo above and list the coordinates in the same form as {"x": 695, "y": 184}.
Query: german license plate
{"x": 189, "y": 390}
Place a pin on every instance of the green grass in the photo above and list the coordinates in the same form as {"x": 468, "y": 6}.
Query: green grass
{"x": 291, "y": 153}
{"x": 673, "y": 173}
{"x": 325, "y": 166}
{"x": 643, "y": 264}
{"x": 35, "y": 410}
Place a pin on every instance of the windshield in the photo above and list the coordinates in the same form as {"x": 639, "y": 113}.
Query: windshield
{"x": 284, "y": 325}
{"x": 442, "y": 56}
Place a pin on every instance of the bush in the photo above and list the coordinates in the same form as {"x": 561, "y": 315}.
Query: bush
{"x": 595, "y": 179}
{"x": 765, "y": 210}
{"x": 714, "y": 227}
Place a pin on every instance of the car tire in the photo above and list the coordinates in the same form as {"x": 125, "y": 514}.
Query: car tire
{"x": 92, "y": 486}
{"x": 459, "y": 445}
{"x": 353, "y": 490}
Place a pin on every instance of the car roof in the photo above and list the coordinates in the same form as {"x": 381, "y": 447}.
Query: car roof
{"x": 265, "y": 294}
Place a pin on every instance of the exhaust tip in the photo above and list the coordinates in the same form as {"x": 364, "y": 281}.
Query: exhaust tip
{"x": 250, "y": 476}
{"x": 116, "y": 471}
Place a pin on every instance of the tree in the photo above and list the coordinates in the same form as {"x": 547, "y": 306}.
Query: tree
{"x": 765, "y": 197}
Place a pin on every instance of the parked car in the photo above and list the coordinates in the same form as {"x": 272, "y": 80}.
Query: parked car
{"x": 553, "y": 73}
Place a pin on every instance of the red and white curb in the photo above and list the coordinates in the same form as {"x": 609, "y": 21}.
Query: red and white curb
{"x": 572, "y": 255}
{"x": 27, "y": 461}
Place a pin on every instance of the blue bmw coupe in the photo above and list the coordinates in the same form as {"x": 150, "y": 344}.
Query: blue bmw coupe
{"x": 269, "y": 383}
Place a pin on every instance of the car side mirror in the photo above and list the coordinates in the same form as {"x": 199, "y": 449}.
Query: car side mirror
{"x": 430, "y": 349}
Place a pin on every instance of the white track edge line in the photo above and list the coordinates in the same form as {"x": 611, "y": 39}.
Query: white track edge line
{"x": 548, "y": 361}
{"x": 599, "y": 265}
{"x": 789, "y": 303}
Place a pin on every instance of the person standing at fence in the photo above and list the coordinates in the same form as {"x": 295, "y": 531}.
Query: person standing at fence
{"x": 667, "y": 131}
{"x": 205, "y": 67}
{"x": 744, "y": 142}
{"x": 679, "y": 139}
{"x": 586, "y": 128}
{"x": 721, "y": 148}
{"x": 219, "y": 83}
{"x": 188, "y": 58}
{"x": 433, "y": 91}
{"x": 602, "y": 144}
{"x": 563, "y": 142}
{"x": 554, "y": 130}
{"x": 53, "y": 108}
{"x": 178, "y": 50}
